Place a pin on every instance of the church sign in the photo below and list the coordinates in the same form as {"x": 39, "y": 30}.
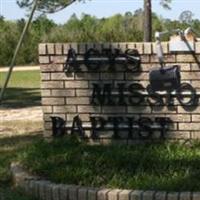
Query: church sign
{"x": 102, "y": 92}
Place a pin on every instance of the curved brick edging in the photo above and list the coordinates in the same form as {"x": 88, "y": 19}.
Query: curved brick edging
{"x": 46, "y": 190}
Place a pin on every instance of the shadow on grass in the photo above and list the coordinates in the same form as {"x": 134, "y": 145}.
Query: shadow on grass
{"x": 21, "y": 97}
{"x": 11, "y": 194}
{"x": 9, "y": 149}
{"x": 169, "y": 167}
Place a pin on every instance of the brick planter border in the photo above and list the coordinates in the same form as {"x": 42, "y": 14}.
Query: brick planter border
{"x": 46, "y": 190}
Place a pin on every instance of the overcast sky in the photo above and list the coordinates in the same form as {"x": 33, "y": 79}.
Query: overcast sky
{"x": 104, "y": 8}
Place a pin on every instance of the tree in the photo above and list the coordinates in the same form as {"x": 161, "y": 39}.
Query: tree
{"x": 147, "y": 21}
{"x": 148, "y": 18}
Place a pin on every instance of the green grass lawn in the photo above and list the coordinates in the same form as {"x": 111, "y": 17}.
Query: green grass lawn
{"x": 10, "y": 148}
{"x": 171, "y": 167}
{"x": 23, "y": 89}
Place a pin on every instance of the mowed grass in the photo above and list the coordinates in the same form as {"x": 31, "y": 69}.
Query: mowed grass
{"x": 170, "y": 167}
{"x": 10, "y": 148}
{"x": 23, "y": 89}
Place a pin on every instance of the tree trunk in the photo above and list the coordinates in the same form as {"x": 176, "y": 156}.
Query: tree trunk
{"x": 147, "y": 21}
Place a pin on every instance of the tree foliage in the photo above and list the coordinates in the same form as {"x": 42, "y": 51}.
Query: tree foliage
{"x": 47, "y": 6}
{"x": 165, "y": 3}
{"x": 186, "y": 16}
{"x": 87, "y": 28}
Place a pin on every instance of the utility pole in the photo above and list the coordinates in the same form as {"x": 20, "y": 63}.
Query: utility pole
{"x": 17, "y": 50}
{"x": 147, "y": 21}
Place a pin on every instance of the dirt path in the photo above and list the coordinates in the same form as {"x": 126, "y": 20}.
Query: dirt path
{"x": 30, "y": 113}
{"x": 20, "y": 121}
{"x": 20, "y": 68}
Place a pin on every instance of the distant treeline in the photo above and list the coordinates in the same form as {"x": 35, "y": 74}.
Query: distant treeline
{"x": 118, "y": 28}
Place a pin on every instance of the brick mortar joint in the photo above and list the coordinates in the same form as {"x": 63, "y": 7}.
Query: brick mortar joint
{"x": 25, "y": 176}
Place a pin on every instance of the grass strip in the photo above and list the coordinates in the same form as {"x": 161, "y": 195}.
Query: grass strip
{"x": 23, "y": 89}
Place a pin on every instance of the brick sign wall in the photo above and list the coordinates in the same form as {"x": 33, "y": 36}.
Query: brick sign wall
{"x": 68, "y": 94}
